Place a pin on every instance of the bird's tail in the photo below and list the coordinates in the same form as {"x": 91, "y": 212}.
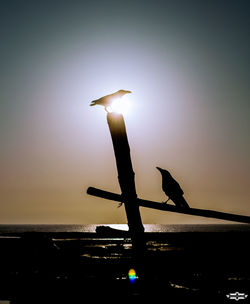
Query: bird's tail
{"x": 183, "y": 203}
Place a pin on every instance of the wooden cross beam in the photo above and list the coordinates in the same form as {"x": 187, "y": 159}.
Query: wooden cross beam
{"x": 171, "y": 208}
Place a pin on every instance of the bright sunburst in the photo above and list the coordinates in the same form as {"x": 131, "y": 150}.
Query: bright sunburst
{"x": 120, "y": 105}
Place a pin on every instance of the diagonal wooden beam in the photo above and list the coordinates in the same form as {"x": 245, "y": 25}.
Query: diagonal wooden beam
{"x": 164, "y": 207}
{"x": 126, "y": 178}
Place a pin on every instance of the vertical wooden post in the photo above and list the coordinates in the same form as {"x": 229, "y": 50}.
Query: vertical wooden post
{"x": 126, "y": 178}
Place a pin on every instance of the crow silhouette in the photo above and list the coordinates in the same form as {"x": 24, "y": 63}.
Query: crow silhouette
{"x": 108, "y": 99}
{"x": 172, "y": 189}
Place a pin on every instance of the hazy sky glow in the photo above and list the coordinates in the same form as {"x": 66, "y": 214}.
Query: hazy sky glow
{"x": 187, "y": 65}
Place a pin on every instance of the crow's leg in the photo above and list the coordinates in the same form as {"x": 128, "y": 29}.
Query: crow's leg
{"x": 166, "y": 201}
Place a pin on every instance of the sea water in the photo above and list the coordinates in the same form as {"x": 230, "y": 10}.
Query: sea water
{"x": 148, "y": 228}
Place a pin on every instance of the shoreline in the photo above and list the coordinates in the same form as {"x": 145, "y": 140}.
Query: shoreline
{"x": 71, "y": 265}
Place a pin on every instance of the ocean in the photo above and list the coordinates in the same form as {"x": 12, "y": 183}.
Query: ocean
{"x": 148, "y": 228}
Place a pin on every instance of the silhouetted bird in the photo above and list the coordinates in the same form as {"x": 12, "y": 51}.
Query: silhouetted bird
{"x": 107, "y": 100}
{"x": 172, "y": 189}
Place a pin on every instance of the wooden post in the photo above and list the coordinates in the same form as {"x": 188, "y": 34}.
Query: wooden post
{"x": 126, "y": 178}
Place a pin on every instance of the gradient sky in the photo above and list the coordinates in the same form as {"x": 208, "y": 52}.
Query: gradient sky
{"x": 187, "y": 64}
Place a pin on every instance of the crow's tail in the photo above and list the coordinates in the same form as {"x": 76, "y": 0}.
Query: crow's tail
{"x": 183, "y": 202}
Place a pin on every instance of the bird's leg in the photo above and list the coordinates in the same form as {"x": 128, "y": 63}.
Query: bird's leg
{"x": 166, "y": 201}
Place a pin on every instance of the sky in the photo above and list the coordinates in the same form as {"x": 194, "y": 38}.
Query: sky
{"x": 187, "y": 65}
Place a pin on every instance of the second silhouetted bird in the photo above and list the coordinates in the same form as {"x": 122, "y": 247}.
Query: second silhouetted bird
{"x": 108, "y": 99}
{"x": 172, "y": 189}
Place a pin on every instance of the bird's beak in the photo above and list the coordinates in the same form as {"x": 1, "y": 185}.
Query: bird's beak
{"x": 159, "y": 169}
{"x": 129, "y": 92}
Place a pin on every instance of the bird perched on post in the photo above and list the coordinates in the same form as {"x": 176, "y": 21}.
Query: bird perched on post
{"x": 108, "y": 99}
{"x": 172, "y": 189}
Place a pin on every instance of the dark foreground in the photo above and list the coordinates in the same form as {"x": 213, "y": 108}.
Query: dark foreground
{"x": 78, "y": 267}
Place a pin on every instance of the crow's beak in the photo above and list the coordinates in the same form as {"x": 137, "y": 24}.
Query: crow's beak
{"x": 159, "y": 169}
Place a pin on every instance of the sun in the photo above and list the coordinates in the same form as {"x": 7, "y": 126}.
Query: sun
{"x": 119, "y": 105}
